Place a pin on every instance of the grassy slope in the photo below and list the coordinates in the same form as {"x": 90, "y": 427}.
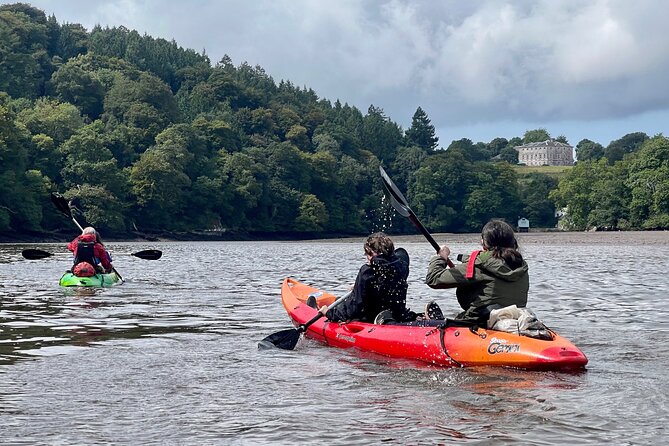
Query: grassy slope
{"x": 554, "y": 171}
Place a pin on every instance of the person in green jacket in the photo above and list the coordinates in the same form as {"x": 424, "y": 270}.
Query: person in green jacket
{"x": 495, "y": 277}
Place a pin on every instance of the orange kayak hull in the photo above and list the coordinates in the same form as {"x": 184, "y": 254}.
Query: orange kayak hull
{"x": 449, "y": 346}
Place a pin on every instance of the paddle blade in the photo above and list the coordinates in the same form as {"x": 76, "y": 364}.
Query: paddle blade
{"x": 404, "y": 211}
{"x": 149, "y": 254}
{"x": 34, "y": 254}
{"x": 392, "y": 189}
{"x": 61, "y": 203}
{"x": 284, "y": 339}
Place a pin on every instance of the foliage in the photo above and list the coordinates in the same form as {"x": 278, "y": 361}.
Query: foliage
{"x": 589, "y": 150}
{"x": 139, "y": 131}
{"x": 421, "y": 133}
{"x": 538, "y": 208}
{"x": 629, "y": 143}
{"x": 649, "y": 188}
{"x": 536, "y": 135}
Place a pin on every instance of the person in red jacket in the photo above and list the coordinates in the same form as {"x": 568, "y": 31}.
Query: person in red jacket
{"x": 90, "y": 255}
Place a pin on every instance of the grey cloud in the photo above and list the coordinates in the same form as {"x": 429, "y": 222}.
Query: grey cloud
{"x": 464, "y": 62}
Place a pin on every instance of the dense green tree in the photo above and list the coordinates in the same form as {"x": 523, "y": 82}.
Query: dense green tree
{"x": 647, "y": 180}
{"x": 572, "y": 197}
{"x": 536, "y": 135}
{"x": 145, "y": 106}
{"x": 407, "y": 161}
{"x": 593, "y": 195}
{"x": 44, "y": 157}
{"x": 610, "y": 197}
{"x": 218, "y": 134}
{"x": 515, "y": 141}
{"x": 589, "y": 150}
{"x": 629, "y": 143}
{"x": 313, "y": 214}
{"x": 495, "y": 146}
{"x": 160, "y": 186}
{"x": 324, "y": 142}
{"x": 24, "y": 41}
{"x": 422, "y": 132}
{"x": 473, "y": 152}
{"x": 509, "y": 154}
{"x": 440, "y": 189}
{"x": 18, "y": 189}
{"x": 89, "y": 161}
{"x": 379, "y": 135}
{"x": 323, "y": 166}
{"x": 71, "y": 83}
{"x": 158, "y": 56}
{"x": 72, "y": 41}
{"x": 147, "y": 91}
{"x": 99, "y": 206}
{"x": 56, "y": 120}
{"x": 244, "y": 178}
{"x": 493, "y": 194}
{"x": 537, "y": 207}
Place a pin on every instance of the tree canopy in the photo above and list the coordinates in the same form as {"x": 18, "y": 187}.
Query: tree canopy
{"x": 142, "y": 133}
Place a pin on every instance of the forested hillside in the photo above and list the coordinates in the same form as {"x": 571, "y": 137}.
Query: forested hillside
{"x": 144, "y": 135}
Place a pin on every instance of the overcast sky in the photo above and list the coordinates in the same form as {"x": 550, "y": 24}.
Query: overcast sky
{"x": 481, "y": 69}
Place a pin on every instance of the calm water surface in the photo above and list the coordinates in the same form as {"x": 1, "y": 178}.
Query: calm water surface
{"x": 170, "y": 356}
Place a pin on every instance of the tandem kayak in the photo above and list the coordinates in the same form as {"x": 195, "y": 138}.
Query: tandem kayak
{"x": 450, "y": 346}
{"x": 98, "y": 280}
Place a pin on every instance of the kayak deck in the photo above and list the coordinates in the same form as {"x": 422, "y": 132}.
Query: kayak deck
{"x": 451, "y": 346}
{"x": 99, "y": 280}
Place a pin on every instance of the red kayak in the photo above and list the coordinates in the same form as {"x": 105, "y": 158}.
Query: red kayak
{"x": 450, "y": 346}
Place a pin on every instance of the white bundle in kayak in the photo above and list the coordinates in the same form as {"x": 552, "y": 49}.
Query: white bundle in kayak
{"x": 523, "y": 321}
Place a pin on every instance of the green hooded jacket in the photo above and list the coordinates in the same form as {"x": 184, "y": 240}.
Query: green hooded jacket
{"x": 494, "y": 284}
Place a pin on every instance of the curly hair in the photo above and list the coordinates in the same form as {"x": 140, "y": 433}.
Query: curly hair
{"x": 379, "y": 243}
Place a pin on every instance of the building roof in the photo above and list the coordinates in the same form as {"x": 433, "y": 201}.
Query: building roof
{"x": 547, "y": 143}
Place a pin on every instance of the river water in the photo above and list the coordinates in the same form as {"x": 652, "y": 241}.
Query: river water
{"x": 171, "y": 357}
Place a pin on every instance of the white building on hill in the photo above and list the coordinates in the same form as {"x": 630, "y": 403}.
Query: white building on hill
{"x": 546, "y": 153}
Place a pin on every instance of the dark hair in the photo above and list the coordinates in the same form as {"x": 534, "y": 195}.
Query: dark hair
{"x": 379, "y": 243}
{"x": 499, "y": 239}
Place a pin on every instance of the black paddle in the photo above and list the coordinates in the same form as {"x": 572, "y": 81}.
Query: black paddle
{"x": 36, "y": 254}
{"x": 64, "y": 207}
{"x": 287, "y": 339}
{"x": 401, "y": 205}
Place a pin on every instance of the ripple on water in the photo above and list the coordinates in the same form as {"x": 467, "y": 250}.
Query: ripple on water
{"x": 171, "y": 357}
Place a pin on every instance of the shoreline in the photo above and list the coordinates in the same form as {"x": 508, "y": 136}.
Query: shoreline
{"x": 536, "y": 237}
{"x": 656, "y": 238}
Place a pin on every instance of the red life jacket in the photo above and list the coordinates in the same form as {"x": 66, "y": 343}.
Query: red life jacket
{"x": 470, "y": 265}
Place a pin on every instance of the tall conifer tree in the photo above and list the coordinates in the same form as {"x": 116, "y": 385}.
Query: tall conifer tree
{"x": 421, "y": 133}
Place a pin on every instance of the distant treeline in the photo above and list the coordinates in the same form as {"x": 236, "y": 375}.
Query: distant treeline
{"x": 144, "y": 135}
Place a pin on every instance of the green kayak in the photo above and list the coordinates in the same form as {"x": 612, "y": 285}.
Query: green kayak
{"x": 99, "y": 280}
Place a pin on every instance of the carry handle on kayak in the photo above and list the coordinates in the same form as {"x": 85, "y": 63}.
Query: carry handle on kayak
{"x": 287, "y": 339}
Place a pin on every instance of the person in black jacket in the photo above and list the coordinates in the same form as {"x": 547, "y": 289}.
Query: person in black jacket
{"x": 381, "y": 285}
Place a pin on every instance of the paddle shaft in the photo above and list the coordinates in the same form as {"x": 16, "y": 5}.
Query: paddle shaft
{"x": 77, "y": 223}
{"x": 427, "y": 235}
{"x": 423, "y": 230}
{"x": 303, "y": 327}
